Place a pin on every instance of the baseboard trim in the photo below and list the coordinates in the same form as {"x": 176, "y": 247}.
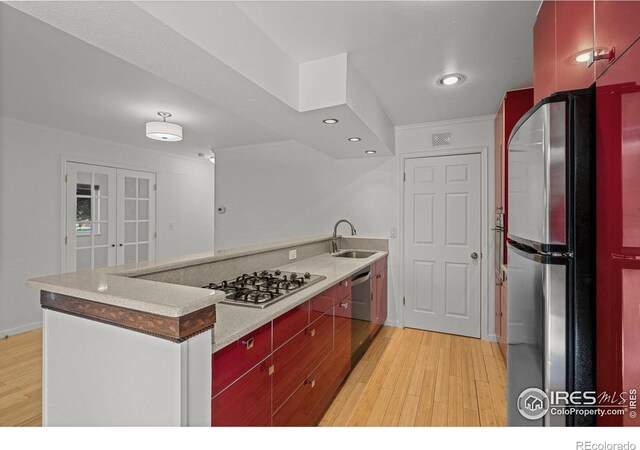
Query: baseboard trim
{"x": 22, "y": 329}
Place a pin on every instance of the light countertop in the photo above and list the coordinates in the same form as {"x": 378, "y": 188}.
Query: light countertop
{"x": 233, "y": 321}
{"x": 116, "y": 285}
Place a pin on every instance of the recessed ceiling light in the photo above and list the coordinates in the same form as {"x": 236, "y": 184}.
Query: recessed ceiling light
{"x": 370, "y": 152}
{"x": 331, "y": 121}
{"x": 164, "y": 131}
{"x": 451, "y": 79}
{"x": 355, "y": 139}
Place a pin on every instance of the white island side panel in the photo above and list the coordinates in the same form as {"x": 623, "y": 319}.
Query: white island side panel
{"x": 96, "y": 374}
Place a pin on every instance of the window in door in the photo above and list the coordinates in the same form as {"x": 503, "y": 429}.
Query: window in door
{"x": 110, "y": 216}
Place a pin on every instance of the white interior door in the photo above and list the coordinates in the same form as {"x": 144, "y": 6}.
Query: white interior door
{"x": 136, "y": 216}
{"x": 90, "y": 216}
{"x": 442, "y": 244}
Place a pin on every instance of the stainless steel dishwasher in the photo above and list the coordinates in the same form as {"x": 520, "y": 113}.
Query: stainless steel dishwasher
{"x": 361, "y": 297}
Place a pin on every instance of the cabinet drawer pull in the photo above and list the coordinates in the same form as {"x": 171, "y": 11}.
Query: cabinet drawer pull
{"x": 344, "y": 305}
{"x": 312, "y": 383}
{"x": 311, "y": 332}
{"x": 270, "y": 369}
{"x": 248, "y": 343}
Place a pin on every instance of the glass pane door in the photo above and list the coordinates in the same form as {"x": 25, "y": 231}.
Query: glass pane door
{"x": 90, "y": 216}
{"x": 136, "y": 212}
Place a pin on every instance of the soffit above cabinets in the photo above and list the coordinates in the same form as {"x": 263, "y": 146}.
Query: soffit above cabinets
{"x": 213, "y": 50}
{"x": 283, "y": 67}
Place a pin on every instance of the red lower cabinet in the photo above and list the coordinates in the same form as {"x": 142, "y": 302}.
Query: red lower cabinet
{"x": 289, "y": 324}
{"x": 299, "y": 356}
{"x": 342, "y": 339}
{"x": 301, "y": 372}
{"x": 247, "y": 402}
{"x": 309, "y": 401}
{"x": 379, "y": 299}
{"x": 238, "y": 357}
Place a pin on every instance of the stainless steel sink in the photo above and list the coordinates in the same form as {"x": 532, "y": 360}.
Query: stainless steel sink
{"x": 354, "y": 254}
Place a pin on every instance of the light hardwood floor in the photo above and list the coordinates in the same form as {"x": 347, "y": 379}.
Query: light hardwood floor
{"x": 21, "y": 379}
{"x": 418, "y": 378}
{"x": 407, "y": 378}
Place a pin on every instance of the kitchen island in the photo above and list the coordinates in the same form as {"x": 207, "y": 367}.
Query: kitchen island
{"x": 133, "y": 344}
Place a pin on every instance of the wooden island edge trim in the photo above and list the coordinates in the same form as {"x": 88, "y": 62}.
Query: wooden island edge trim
{"x": 175, "y": 329}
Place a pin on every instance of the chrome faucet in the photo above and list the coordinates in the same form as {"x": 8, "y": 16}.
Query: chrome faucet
{"x": 334, "y": 242}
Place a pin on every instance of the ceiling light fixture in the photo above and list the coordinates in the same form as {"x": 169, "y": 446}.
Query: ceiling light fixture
{"x": 370, "y": 152}
{"x": 354, "y": 139}
{"x": 582, "y": 57}
{"x": 330, "y": 121}
{"x": 164, "y": 131}
{"x": 451, "y": 79}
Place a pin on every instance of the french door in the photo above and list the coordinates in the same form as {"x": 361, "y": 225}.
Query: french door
{"x": 110, "y": 216}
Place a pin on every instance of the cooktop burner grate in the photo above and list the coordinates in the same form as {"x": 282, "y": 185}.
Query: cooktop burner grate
{"x": 261, "y": 289}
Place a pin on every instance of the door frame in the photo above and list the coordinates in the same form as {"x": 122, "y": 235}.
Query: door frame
{"x": 483, "y": 151}
{"x": 63, "y": 198}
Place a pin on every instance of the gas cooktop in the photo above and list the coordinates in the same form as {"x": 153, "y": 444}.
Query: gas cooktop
{"x": 262, "y": 289}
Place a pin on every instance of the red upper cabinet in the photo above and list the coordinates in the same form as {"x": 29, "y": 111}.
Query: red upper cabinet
{"x": 499, "y": 150}
{"x": 544, "y": 52}
{"x": 616, "y": 26}
{"x": 574, "y": 39}
{"x": 515, "y": 104}
{"x": 618, "y": 229}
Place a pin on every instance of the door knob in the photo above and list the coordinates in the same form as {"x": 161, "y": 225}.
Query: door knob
{"x": 474, "y": 255}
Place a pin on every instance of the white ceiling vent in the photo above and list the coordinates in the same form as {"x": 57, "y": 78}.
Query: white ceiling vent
{"x": 440, "y": 139}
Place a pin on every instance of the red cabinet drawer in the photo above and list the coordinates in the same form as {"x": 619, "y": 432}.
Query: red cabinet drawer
{"x": 309, "y": 401}
{"x": 295, "y": 360}
{"x": 343, "y": 289}
{"x": 322, "y": 303}
{"x": 247, "y": 402}
{"x": 380, "y": 265}
{"x": 289, "y": 324}
{"x": 236, "y": 358}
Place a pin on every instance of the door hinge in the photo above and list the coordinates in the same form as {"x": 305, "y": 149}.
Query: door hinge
{"x": 404, "y": 176}
{"x": 155, "y": 187}
{"x": 66, "y": 240}
{"x": 66, "y": 178}
{"x": 155, "y": 234}
{"x": 404, "y": 301}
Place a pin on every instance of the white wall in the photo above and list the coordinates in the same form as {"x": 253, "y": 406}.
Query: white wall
{"x": 31, "y": 207}
{"x": 285, "y": 190}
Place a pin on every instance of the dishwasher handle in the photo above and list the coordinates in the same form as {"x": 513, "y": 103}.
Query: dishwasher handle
{"x": 361, "y": 279}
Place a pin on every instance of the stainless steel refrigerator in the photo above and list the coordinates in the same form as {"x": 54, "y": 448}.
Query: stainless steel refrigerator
{"x": 551, "y": 253}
